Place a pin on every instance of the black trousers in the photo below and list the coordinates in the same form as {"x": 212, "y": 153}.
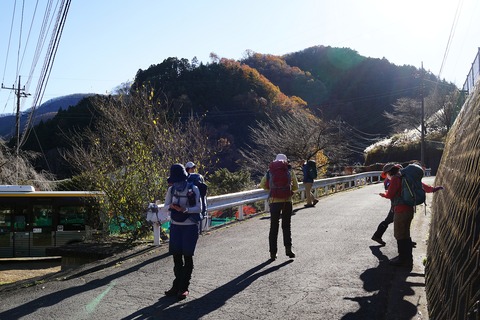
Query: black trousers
{"x": 283, "y": 210}
{"x": 382, "y": 227}
{"x": 182, "y": 269}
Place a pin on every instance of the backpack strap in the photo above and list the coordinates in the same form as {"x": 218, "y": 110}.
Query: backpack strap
{"x": 189, "y": 187}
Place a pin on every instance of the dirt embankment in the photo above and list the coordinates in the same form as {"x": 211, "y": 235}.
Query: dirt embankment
{"x": 12, "y": 271}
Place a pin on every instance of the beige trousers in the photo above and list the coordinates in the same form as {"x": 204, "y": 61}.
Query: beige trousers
{"x": 308, "y": 192}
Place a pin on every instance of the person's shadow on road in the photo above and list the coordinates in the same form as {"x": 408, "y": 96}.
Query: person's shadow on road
{"x": 212, "y": 301}
{"x": 391, "y": 286}
{"x": 58, "y": 296}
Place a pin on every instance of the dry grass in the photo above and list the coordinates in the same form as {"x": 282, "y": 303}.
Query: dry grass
{"x": 16, "y": 271}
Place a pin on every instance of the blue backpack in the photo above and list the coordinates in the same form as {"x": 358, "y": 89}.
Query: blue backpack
{"x": 197, "y": 180}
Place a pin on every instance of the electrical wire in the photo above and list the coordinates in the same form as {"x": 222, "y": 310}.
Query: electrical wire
{"x": 376, "y": 135}
{"x": 48, "y": 63}
{"x": 9, "y": 42}
{"x": 451, "y": 35}
{"x": 7, "y": 54}
{"x": 40, "y": 42}
{"x": 20, "y": 41}
{"x": 29, "y": 33}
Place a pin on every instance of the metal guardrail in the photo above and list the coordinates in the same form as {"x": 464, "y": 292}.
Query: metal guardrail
{"x": 319, "y": 187}
{"x": 473, "y": 74}
{"x": 239, "y": 199}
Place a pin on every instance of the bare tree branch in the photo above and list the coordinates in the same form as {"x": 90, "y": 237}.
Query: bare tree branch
{"x": 19, "y": 170}
{"x": 298, "y": 135}
{"x": 129, "y": 153}
{"x": 407, "y": 114}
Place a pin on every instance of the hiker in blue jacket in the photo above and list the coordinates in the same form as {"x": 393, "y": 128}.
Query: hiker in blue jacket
{"x": 183, "y": 201}
{"x": 195, "y": 178}
{"x": 192, "y": 175}
{"x": 309, "y": 170}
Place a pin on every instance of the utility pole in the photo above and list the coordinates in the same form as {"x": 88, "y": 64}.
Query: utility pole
{"x": 20, "y": 93}
{"x": 422, "y": 135}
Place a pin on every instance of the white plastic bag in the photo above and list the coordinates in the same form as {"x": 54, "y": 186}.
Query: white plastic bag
{"x": 163, "y": 214}
{"x": 152, "y": 213}
{"x": 157, "y": 213}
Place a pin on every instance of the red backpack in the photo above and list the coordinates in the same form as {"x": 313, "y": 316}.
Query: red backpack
{"x": 279, "y": 180}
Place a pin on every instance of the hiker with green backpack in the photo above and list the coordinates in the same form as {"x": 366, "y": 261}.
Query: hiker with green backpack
{"x": 382, "y": 226}
{"x": 405, "y": 190}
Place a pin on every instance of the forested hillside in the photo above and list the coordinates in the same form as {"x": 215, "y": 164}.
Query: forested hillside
{"x": 230, "y": 96}
{"x": 43, "y": 113}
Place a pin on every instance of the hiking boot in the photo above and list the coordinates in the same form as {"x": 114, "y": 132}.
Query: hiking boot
{"x": 172, "y": 292}
{"x": 182, "y": 295}
{"x": 273, "y": 256}
{"x": 379, "y": 240}
{"x": 289, "y": 252}
{"x": 315, "y": 201}
{"x": 398, "y": 262}
{"x": 309, "y": 205}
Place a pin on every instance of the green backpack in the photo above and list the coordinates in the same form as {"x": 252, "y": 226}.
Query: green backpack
{"x": 412, "y": 189}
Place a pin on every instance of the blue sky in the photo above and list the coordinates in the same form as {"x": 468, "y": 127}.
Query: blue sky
{"x": 105, "y": 42}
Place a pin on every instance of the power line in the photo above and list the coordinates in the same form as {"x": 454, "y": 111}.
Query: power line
{"x": 7, "y": 54}
{"x": 29, "y": 33}
{"x": 48, "y": 63}
{"x": 8, "y": 47}
{"x": 451, "y": 35}
{"x": 20, "y": 40}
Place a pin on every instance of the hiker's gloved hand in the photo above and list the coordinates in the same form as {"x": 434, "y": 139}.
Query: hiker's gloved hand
{"x": 435, "y": 189}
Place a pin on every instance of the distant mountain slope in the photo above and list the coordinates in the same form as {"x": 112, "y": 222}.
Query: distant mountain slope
{"x": 46, "y": 111}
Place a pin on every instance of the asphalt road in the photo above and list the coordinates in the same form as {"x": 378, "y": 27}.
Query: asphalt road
{"x": 339, "y": 273}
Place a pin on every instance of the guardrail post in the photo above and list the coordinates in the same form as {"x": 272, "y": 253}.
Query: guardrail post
{"x": 156, "y": 234}
{"x": 240, "y": 212}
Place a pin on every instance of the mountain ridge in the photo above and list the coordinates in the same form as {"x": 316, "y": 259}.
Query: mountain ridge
{"x": 44, "y": 112}
{"x": 233, "y": 95}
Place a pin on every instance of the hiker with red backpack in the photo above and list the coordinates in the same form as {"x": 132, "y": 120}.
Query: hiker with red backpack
{"x": 281, "y": 182}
